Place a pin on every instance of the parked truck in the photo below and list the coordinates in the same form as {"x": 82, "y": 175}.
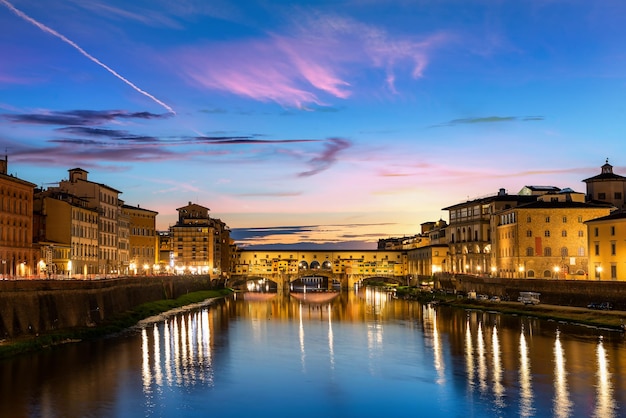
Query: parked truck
{"x": 529, "y": 298}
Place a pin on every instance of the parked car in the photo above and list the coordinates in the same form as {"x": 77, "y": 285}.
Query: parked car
{"x": 494, "y": 299}
{"x": 482, "y": 297}
{"x": 605, "y": 306}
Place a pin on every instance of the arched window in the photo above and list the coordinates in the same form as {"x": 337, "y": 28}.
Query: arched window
{"x": 564, "y": 252}
{"x": 530, "y": 252}
{"x": 547, "y": 274}
{"x": 327, "y": 265}
{"x": 530, "y": 273}
{"x": 547, "y": 252}
{"x": 303, "y": 265}
{"x": 315, "y": 264}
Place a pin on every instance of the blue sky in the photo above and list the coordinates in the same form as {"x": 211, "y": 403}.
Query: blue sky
{"x": 344, "y": 121}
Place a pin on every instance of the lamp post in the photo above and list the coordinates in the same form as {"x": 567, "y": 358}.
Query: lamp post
{"x": 556, "y": 272}
{"x": 521, "y": 271}
{"x": 598, "y": 272}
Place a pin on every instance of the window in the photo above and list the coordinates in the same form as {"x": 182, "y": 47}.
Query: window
{"x": 618, "y": 196}
{"x": 565, "y": 219}
{"x": 546, "y": 233}
{"x": 581, "y": 233}
{"x": 595, "y": 231}
{"x": 529, "y": 252}
{"x": 614, "y": 271}
{"x": 528, "y": 219}
{"x": 547, "y": 252}
{"x": 601, "y": 196}
{"x": 564, "y": 252}
{"x": 596, "y": 249}
{"x": 613, "y": 248}
{"x": 563, "y": 233}
{"x": 529, "y": 233}
{"x": 612, "y": 230}
{"x": 581, "y": 251}
{"x": 580, "y": 219}
{"x": 547, "y": 219}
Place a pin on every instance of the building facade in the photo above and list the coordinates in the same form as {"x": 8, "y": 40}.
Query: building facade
{"x": 143, "y": 240}
{"x": 470, "y": 231}
{"x": 106, "y": 200}
{"x": 17, "y": 258}
{"x": 546, "y": 238}
{"x": 607, "y": 187}
{"x": 193, "y": 241}
{"x": 607, "y": 247}
{"x": 66, "y": 235}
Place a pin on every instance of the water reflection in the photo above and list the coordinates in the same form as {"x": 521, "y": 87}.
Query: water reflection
{"x": 498, "y": 388}
{"x": 562, "y": 403}
{"x": 339, "y": 352}
{"x": 431, "y": 331}
{"x": 180, "y": 346}
{"x": 525, "y": 382}
{"x": 605, "y": 404}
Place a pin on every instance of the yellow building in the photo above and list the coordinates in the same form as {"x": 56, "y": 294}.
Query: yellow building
{"x": 106, "y": 200}
{"x": 607, "y": 247}
{"x": 193, "y": 240}
{"x": 546, "y": 238}
{"x": 469, "y": 232}
{"x": 66, "y": 232}
{"x": 607, "y": 187}
{"x": 17, "y": 258}
{"x": 143, "y": 239}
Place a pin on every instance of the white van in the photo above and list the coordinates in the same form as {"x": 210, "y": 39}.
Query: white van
{"x": 529, "y": 298}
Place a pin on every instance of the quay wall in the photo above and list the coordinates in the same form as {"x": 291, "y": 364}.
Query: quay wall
{"x": 556, "y": 292}
{"x": 30, "y": 307}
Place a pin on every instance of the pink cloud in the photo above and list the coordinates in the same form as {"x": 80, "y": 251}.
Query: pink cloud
{"x": 316, "y": 58}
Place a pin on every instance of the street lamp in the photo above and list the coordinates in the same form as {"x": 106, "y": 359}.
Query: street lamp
{"x": 521, "y": 271}
{"x": 556, "y": 272}
{"x": 598, "y": 271}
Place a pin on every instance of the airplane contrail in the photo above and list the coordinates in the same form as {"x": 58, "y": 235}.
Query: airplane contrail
{"x": 82, "y": 51}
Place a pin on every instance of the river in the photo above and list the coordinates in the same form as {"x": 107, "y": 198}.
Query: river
{"x": 354, "y": 354}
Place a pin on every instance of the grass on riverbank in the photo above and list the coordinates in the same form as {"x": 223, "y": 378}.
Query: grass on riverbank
{"x": 116, "y": 324}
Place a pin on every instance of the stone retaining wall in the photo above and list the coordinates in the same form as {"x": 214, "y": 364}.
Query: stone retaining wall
{"x": 30, "y": 307}
{"x": 557, "y": 292}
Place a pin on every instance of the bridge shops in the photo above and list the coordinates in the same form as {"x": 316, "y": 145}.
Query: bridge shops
{"x": 322, "y": 270}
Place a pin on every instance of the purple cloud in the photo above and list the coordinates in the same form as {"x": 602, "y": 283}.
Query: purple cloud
{"x": 80, "y": 117}
{"x": 316, "y": 58}
{"x": 327, "y": 158}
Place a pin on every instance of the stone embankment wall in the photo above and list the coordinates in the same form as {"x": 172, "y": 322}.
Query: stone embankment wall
{"x": 30, "y": 307}
{"x": 557, "y": 292}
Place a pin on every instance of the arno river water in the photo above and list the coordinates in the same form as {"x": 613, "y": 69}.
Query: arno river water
{"x": 360, "y": 354}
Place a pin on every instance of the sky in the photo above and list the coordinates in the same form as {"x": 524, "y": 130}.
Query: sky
{"x": 327, "y": 122}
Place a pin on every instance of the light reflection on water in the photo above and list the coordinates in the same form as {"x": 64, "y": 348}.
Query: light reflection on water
{"x": 525, "y": 378}
{"x": 347, "y": 356}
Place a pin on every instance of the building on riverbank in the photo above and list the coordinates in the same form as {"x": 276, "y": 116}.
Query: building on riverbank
{"x": 607, "y": 247}
{"x": 546, "y": 238}
{"x": 143, "y": 240}
{"x": 105, "y": 200}
{"x": 65, "y": 234}
{"x": 199, "y": 244}
{"x": 17, "y": 258}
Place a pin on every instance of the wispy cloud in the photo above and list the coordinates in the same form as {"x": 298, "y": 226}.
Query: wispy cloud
{"x": 489, "y": 119}
{"x": 327, "y": 158}
{"x": 315, "y": 57}
{"x": 79, "y": 117}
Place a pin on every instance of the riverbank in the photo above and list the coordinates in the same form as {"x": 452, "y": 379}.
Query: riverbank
{"x": 609, "y": 319}
{"x": 116, "y": 324}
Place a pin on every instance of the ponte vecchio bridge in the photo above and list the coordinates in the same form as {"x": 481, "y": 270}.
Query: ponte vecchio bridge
{"x": 321, "y": 270}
